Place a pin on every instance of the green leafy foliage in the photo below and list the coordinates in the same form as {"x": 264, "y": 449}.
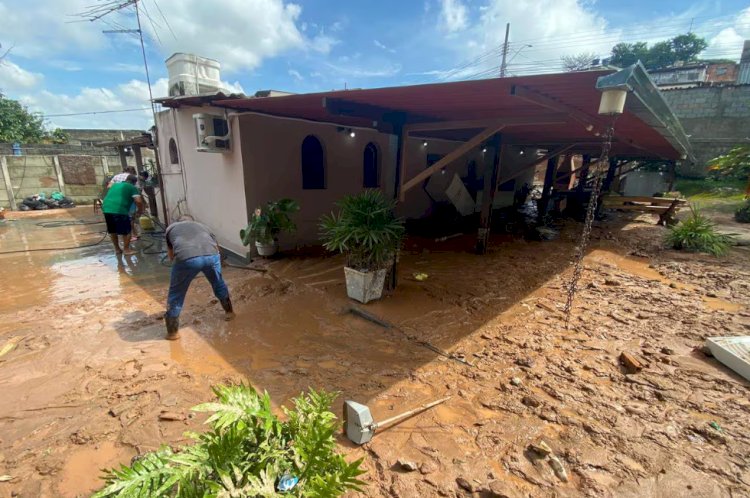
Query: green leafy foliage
{"x": 267, "y": 223}
{"x": 684, "y": 48}
{"x": 697, "y": 233}
{"x": 743, "y": 213}
{"x": 365, "y": 230}
{"x": 245, "y": 453}
{"x": 17, "y": 124}
{"x": 733, "y": 164}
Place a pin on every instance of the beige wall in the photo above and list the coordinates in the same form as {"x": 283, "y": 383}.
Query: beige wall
{"x": 215, "y": 192}
{"x": 272, "y": 156}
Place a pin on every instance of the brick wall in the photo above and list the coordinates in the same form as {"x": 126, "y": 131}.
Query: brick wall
{"x": 716, "y": 117}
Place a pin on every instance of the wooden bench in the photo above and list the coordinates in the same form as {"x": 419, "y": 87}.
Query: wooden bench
{"x": 666, "y": 207}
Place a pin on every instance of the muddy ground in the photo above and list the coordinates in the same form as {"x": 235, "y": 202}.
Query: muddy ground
{"x": 89, "y": 375}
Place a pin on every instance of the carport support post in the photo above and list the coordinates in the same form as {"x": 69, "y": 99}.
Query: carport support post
{"x": 123, "y": 159}
{"x": 401, "y": 141}
{"x": 610, "y": 174}
{"x": 8, "y": 183}
{"x": 549, "y": 178}
{"x": 491, "y": 175}
{"x": 584, "y": 173}
{"x": 138, "y": 158}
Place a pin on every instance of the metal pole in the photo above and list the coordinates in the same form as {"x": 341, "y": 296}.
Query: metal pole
{"x": 503, "y": 66}
{"x": 153, "y": 112}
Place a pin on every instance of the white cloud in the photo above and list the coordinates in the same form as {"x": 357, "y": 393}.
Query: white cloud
{"x": 727, "y": 43}
{"x": 240, "y": 34}
{"x": 295, "y": 74}
{"x": 453, "y": 15}
{"x": 382, "y": 46}
{"x": 383, "y": 70}
{"x": 14, "y": 77}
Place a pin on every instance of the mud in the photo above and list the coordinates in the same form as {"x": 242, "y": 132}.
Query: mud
{"x": 84, "y": 387}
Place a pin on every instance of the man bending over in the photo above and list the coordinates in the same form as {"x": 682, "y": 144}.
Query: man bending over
{"x": 193, "y": 249}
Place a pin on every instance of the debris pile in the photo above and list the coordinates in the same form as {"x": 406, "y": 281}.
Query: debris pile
{"x": 39, "y": 202}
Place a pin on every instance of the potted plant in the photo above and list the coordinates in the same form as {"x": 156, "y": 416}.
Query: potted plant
{"x": 267, "y": 223}
{"x": 366, "y": 231}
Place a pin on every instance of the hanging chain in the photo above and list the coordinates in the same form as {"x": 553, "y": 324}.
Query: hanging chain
{"x": 589, "y": 221}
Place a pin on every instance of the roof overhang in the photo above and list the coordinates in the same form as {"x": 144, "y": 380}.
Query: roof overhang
{"x": 551, "y": 110}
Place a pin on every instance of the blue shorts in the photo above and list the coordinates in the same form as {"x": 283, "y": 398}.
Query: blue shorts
{"x": 117, "y": 223}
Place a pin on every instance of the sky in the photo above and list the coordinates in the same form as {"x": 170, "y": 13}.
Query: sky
{"x": 67, "y": 68}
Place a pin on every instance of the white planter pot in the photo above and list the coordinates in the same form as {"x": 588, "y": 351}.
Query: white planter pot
{"x": 364, "y": 286}
{"x": 266, "y": 249}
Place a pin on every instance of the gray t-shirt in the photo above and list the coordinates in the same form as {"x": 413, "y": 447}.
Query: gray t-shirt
{"x": 190, "y": 239}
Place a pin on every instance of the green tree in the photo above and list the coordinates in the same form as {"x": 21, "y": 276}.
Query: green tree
{"x": 733, "y": 164}
{"x": 684, "y": 48}
{"x": 17, "y": 124}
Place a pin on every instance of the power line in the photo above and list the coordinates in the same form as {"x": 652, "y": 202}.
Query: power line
{"x": 95, "y": 112}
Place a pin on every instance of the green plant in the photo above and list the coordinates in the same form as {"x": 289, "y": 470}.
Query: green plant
{"x": 733, "y": 164}
{"x": 365, "y": 230}
{"x": 742, "y": 214}
{"x": 266, "y": 224}
{"x": 245, "y": 454}
{"x": 698, "y": 234}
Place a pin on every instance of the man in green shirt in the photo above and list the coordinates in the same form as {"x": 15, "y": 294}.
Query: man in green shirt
{"x": 116, "y": 209}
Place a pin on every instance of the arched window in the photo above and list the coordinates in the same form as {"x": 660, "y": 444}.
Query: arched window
{"x": 174, "y": 158}
{"x": 371, "y": 166}
{"x": 313, "y": 164}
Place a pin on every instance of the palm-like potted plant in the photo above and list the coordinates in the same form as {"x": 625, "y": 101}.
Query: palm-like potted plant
{"x": 267, "y": 223}
{"x": 366, "y": 231}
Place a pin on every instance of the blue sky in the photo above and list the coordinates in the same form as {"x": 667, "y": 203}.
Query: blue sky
{"x": 60, "y": 67}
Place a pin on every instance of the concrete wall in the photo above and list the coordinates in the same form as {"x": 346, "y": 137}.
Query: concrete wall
{"x": 272, "y": 157}
{"x": 37, "y": 174}
{"x": 717, "y": 118}
{"x": 208, "y": 186}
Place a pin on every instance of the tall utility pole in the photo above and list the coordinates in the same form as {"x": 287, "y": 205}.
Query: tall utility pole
{"x": 504, "y": 66}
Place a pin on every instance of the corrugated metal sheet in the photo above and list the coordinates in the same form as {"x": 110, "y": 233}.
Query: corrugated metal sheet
{"x": 743, "y": 78}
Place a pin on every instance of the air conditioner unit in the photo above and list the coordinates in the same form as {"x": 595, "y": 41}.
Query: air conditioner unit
{"x": 212, "y": 133}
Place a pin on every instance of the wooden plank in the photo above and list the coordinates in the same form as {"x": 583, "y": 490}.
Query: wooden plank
{"x": 449, "y": 158}
{"x": 557, "y": 118}
{"x": 8, "y": 183}
{"x": 549, "y": 177}
{"x": 636, "y": 198}
{"x": 491, "y": 175}
{"x": 635, "y": 207}
{"x": 58, "y": 172}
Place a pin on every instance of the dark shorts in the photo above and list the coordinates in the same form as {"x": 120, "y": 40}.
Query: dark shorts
{"x": 117, "y": 223}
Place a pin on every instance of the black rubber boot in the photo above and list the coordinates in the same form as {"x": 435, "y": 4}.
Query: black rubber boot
{"x": 228, "y": 309}
{"x": 173, "y": 327}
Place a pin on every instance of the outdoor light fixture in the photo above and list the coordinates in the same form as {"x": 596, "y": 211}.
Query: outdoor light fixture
{"x": 352, "y": 134}
{"x": 424, "y": 144}
{"x": 521, "y": 152}
{"x": 484, "y": 149}
{"x": 613, "y": 102}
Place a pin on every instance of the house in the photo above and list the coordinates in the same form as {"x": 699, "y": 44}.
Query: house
{"x": 223, "y": 156}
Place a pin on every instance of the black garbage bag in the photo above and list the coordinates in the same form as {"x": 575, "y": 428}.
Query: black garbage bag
{"x": 31, "y": 202}
{"x": 24, "y": 207}
{"x": 41, "y": 207}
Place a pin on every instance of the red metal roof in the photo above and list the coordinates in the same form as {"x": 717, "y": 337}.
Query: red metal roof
{"x": 480, "y": 99}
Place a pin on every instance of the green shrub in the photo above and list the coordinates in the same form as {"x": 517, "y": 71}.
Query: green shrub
{"x": 743, "y": 213}
{"x": 267, "y": 223}
{"x": 245, "y": 454}
{"x": 365, "y": 230}
{"x": 698, "y": 234}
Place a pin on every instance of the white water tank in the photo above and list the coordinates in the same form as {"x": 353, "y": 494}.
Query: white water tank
{"x": 191, "y": 74}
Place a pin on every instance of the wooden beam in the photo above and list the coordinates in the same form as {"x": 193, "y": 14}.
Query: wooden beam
{"x": 138, "y": 158}
{"x": 58, "y": 172}
{"x": 591, "y": 123}
{"x": 557, "y": 118}
{"x": 556, "y": 152}
{"x": 123, "y": 159}
{"x": 583, "y": 177}
{"x": 402, "y": 137}
{"x": 449, "y": 158}
{"x": 491, "y": 175}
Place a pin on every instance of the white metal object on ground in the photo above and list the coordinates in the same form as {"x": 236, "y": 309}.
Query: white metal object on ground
{"x": 733, "y": 352}
{"x": 360, "y": 426}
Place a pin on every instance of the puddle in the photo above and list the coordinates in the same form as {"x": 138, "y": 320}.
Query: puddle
{"x": 717, "y": 304}
{"x": 81, "y": 472}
